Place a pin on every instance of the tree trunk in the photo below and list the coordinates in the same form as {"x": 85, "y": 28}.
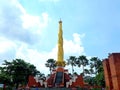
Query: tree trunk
{"x": 83, "y": 70}
{"x": 50, "y": 70}
{"x": 72, "y": 69}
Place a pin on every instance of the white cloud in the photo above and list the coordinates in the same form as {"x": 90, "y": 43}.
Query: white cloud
{"x": 30, "y": 21}
{"x": 23, "y": 51}
{"x": 7, "y": 49}
{"x": 18, "y": 30}
{"x": 74, "y": 47}
{"x": 17, "y": 24}
{"x": 71, "y": 47}
{"x": 35, "y": 57}
{"x": 77, "y": 38}
{"x": 5, "y": 45}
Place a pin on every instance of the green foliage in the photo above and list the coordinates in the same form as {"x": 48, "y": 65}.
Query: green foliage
{"x": 92, "y": 69}
{"x": 51, "y": 64}
{"x": 72, "y": 61}
{"x": 82, "y": 61}
{"x": 95, "y": 64}
{"x": 90, "y": 80}
{"x": 100, "y": 79}
{"x": 96, "y": 70}
{"x": 17, "y": 72}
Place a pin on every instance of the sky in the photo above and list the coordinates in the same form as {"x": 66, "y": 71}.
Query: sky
{"x": 29, "y": 29}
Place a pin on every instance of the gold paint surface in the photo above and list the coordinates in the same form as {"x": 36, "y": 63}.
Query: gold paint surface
{"x": 60, "y": 61}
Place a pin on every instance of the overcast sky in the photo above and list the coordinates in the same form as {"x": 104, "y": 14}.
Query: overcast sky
{"x": 29, "y": 29}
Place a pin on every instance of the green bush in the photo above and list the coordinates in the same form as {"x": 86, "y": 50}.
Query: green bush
{"x": 1, "y": 88}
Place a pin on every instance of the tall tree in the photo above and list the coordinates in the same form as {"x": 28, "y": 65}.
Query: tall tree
{"x": 91, "y": 71}
{"x": 4, "y": 78}
{"x": 51, "y": 64}
{"x": 97, "y": 70}
{"x": 95, "y": 64}
{"x": 18, "y": 71}
{"x": 82, "y": 61}
{"x": 100, "y": 77}
{"x": 72, "y": 61}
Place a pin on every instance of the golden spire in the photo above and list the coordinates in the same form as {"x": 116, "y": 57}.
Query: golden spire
{"x": 60, "y": 57}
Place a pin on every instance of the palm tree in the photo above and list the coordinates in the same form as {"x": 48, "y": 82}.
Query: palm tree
{"x": 95, "y": 64}
{"x": 91, "y": 71}
{"x": 82, "y": 61}
{"x": 51, "y": 64}
{"x": 72, "y": 61}
{"x": 86, "y": 71}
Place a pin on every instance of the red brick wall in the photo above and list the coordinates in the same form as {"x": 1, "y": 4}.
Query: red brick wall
{"x": 107, "y": 74}
{"x": 112, "y": 71}
{"x": 114, "y": 60}
{"x": 32, "y": 82}
{"x": 79, "y": 82}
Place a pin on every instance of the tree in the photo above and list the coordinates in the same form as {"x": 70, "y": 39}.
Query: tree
{"x": 91, "y": 71}
{"x": 4, "y": 78}
{"x": 18, "y": 71}
{"x": 82, "y": 61}
{"x": 41, "y": 76}
{"x": 100, "y": 79}
{"x": 86, "y": 71}
{"x": 90, "y": 80}
{"x": 72, "y": 61}
{"x": 95, "y": 64}
{"x": 97, "y": 69}
{"x": 51, "y": 64}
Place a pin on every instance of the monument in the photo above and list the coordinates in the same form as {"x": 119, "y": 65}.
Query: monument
{"x": 59, "y": 77}
{"x": 60, "y": 62}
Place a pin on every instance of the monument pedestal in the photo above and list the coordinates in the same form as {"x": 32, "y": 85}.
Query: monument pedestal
{"x": 61, "y": 78}
{"x": 58, "y": 78}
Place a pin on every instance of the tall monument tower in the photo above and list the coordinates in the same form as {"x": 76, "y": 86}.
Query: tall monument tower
{"x": 60, "y": 58}
{"x": 60, "y": 76}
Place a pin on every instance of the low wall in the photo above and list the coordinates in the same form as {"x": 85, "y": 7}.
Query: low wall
{"x": 58, "y": 89}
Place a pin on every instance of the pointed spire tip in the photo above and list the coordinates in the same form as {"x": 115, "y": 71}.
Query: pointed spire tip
{"x": 60, "y": 21}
